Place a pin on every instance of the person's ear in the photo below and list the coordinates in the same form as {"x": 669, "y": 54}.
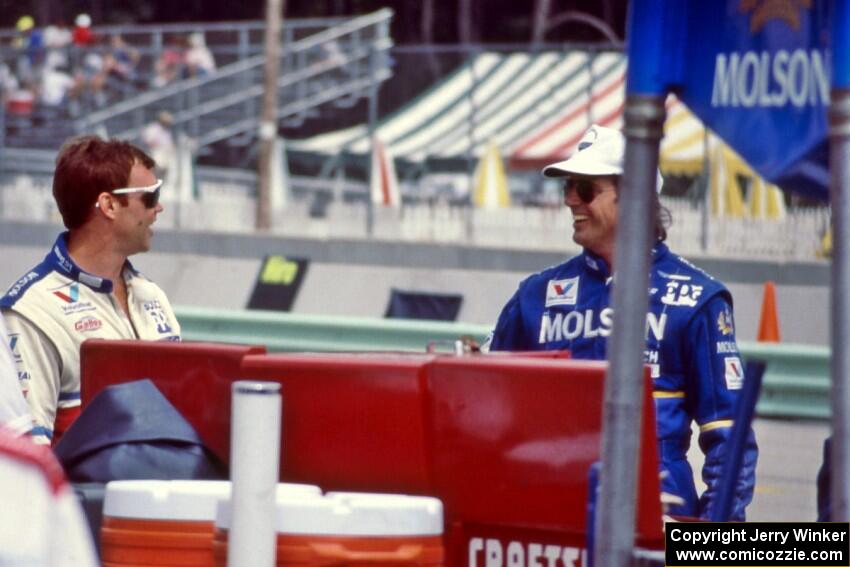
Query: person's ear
{"x": 107, "y": 204}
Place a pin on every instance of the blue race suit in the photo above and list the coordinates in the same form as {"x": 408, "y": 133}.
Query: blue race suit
{"x": 690, "y": 349}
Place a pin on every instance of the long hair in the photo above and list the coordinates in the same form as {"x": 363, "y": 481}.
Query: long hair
{"x": 663, "y": 219}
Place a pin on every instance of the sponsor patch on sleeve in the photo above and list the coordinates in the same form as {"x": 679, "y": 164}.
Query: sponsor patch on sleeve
{"x": 734, "y": 373}
{"x": 724, "y": 322}
{"x": 562, "y": 292}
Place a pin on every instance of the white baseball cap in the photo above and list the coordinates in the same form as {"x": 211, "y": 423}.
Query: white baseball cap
{"x": 600, "y": 151}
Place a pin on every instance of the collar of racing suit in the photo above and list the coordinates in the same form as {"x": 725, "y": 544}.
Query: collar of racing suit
{"x": 599, "y": 266}
{"x": 59, "y": 259}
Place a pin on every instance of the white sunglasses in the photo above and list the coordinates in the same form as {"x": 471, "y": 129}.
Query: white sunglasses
{"x": 150, "y": 197}
{"x": 148, "y": 189}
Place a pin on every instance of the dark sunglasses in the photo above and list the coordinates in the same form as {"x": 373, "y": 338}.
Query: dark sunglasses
{"x": 584, "y": 188}
{"x": 150, "y": 194}
{"x": 150, "y": 200}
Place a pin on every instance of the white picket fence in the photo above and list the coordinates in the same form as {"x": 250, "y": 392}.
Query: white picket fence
{"x": 227, "y": 207}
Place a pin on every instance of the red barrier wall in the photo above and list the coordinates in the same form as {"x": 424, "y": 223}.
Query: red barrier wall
{"x": 195, "y": 377}
{"x": 351, "y": 421}
{"x": 504, "y": 441}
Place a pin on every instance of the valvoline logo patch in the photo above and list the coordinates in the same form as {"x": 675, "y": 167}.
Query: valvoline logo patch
{"x": 562, "y": 292}
{"x": 72, "y": 296}
{"x": 734, "y": 373}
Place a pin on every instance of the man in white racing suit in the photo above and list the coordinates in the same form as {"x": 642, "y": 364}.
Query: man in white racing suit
{"x": 86, "y": 288}
{"x": 15, "y": 416}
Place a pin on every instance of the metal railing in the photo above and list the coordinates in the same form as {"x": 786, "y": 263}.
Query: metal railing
{"x": 335, "y": 208}
{"x": 337, "y": 64}
{"x": 229, "y": 41}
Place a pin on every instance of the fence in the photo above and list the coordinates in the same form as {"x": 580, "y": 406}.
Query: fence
{"x": 328, "y": 208}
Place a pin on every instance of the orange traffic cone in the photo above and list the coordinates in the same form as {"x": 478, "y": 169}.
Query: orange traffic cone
{"x": 769, "y": 319}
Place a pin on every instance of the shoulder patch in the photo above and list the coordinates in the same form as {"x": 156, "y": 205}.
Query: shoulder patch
{"x": 16, "y": 291}
{"x": 734, "y": 373}
{"x": 681, "y": 294}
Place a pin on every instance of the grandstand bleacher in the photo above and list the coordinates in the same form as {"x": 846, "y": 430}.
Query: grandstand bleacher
{"x": 531, "y": 104}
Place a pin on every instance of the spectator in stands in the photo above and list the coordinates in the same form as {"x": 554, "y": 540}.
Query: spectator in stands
{"x": 82, "y": 35}
{"x": 57, "y": 86}
{"x": 57, "y": 39}
{"x": 8, "y": 81}
{"x": 159, "y": 140}
{"x": 85, "y": 288}
{"x": 121, "y": 59}
{"x": 169, "y": 64}
{"x": 690, "y": 343}
{"x": 15, "y": 416}
{"x": 199, "y": 58}
{"x": 89, "y": 78}
{"x": 30, "y": 44}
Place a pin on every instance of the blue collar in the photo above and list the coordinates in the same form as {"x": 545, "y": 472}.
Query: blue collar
{"x": 598, "y": 265}
{"x": 60, "y": 260}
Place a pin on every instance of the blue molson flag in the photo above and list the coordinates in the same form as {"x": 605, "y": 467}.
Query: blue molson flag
{"x": 757, "y": 72}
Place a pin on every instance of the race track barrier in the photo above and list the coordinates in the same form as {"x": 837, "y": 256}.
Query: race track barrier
{"x": 288, "y": 332}
{"x": 796, "y": 384}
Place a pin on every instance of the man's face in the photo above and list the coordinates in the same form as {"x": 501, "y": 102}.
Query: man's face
{"x": 593, "y": 202}
{"x": 133, "y": 222}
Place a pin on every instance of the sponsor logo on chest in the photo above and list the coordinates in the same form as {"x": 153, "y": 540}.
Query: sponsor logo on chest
{"x": 588, "y": 324}
{"x": 69, "y": 297}
{"x": 87, "y": 324}
{"x": 562, "y": 292}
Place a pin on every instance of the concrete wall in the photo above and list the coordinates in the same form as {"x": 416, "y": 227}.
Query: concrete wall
{"x": 355, "y": 277}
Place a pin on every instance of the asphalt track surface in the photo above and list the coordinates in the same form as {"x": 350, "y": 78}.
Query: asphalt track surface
{"x": 790, "y": 454}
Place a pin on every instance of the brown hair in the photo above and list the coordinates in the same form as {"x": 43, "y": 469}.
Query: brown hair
{"x": 663, "y": 219}
{"x": 88, "y": 166}
{"x": 661, "y": 214}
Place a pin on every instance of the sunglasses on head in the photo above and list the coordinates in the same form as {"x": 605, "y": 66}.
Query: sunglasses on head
{"x": 150, "y": 194}
{"x": 584, "y": 188}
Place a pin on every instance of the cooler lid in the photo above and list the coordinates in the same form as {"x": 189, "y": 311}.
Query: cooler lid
{"x": 179, "y": 499}
{"x": 353, "y": 514}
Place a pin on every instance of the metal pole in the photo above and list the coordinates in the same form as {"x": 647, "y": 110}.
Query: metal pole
{"x": 3, "y": 95}
{"x": 254, "y": 468}
{"x": 541, "y": 17}
{"x": 615, "y": 524}
{"x": 469, "y": 211}
{"x": 268, "y": 118}
{"x": 373, "y": 125}
{"x": 839, "y": 163}
{"x": 705, "y": 186}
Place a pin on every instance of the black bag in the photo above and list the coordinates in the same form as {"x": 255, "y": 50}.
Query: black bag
{"x": 131, "y": 431}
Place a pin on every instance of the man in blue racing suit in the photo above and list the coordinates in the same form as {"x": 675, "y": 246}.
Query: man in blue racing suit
{"x": 690, "y": 343}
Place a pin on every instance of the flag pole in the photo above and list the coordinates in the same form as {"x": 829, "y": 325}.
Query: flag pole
{"x": 839, "y": 163}
{"x": 644, "y": 127}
